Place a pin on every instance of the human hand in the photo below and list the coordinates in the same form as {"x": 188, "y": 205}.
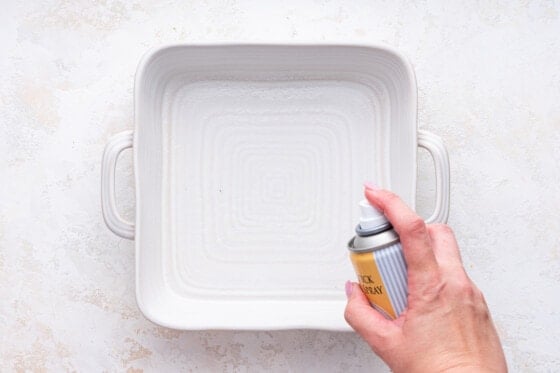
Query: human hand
{"x": 447, "y": 325}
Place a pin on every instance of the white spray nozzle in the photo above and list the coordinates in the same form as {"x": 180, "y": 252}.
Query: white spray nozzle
{"x": 370, "y": 217}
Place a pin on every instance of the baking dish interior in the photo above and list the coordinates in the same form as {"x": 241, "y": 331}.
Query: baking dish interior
{"x": 249, "y": 162}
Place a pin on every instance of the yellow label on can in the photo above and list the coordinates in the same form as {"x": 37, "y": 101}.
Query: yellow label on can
{"x": 371, "y": 282}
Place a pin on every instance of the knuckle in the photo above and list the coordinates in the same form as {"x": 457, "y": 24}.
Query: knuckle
{"x": 391, "y": 197}
{"x": 482, "y": 306}
{"x": 416, "y": 226}
{"x": 478, "y": 295}
{"x": 432, "y": 288}
{"x": 380, "y": 340}
{"x": 349, "y": 314}
{"x": 465, "y": 288}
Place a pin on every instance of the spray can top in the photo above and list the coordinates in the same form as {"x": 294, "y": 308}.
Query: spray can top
{"x": 372, "y": 220}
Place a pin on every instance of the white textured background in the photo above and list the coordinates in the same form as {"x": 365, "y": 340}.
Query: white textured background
{"x": 489, "y": 84}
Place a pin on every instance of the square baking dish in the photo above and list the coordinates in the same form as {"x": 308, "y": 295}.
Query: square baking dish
{"x": 249, "y": 162}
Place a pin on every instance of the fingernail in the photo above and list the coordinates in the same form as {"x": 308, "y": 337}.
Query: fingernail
{"x": 348, "y": 288}
{"x": 371, "y": 186}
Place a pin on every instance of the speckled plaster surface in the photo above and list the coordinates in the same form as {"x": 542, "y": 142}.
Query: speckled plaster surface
{"x": 489, "y": 83}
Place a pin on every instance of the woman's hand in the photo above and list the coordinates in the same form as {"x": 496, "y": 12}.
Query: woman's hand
{"x": 447, "y": 325}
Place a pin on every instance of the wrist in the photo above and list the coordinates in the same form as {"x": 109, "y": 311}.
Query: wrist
{"x": 450, "y": 365}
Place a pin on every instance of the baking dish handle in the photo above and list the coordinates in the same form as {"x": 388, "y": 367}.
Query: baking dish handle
{"x": 113, "y": 219}
{"x": 434, "y": 145}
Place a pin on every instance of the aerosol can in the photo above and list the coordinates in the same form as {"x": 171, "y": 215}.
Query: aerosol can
{"x": 378, "y": 260}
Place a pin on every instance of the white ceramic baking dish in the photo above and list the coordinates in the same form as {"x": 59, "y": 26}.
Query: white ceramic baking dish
{"x": 249, "y": 162}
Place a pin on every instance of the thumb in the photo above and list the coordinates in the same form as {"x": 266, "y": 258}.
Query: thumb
{"x": 369, "y": 323}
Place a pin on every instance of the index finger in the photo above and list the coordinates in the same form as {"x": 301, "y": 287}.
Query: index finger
{"x": 412, "y": 231}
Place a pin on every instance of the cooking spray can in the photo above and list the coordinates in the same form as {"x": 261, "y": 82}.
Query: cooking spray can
{"x": 378, "y": 260}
